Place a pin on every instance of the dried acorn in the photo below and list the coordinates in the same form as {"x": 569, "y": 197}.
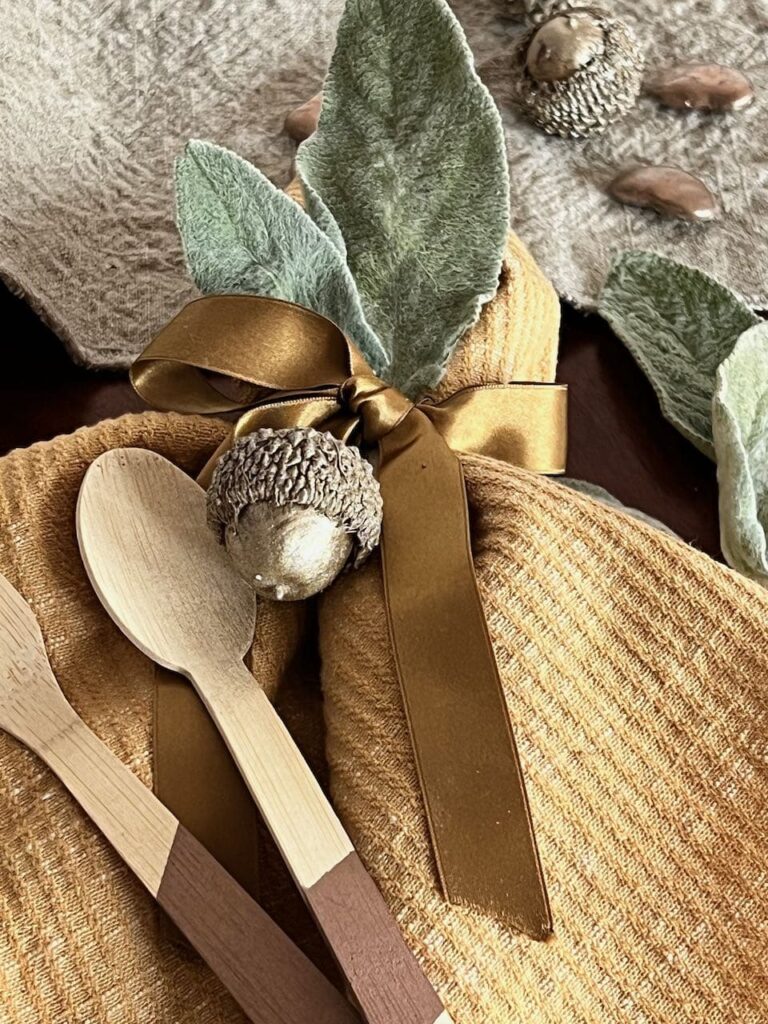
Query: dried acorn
{"x": 577, "y": 71}
{"x": 294, "y": 507}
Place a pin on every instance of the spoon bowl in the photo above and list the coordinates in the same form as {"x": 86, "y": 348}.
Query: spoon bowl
{"x": 158, "y": 570}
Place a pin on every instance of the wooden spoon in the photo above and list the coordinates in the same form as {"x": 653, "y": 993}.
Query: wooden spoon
{"x": 171, "y": 587}
{"x": 267, "y": 974}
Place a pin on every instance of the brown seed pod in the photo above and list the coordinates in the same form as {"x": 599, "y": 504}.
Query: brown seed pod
{"x": 294, "y": 508}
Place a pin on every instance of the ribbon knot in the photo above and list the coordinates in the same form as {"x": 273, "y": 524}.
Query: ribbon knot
{"x": 379, "y": 407}
{"x": 308, "y": 374}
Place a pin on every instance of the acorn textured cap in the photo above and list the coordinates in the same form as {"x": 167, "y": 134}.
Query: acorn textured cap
{"x": 299, "y": 466}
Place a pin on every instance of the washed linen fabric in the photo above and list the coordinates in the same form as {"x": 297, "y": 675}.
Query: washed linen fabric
{"x": 98, "y": 99}
{"x": 634, "y": 673}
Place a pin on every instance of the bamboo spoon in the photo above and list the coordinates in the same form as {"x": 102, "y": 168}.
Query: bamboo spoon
{"x": 266, "y": 973}
{"x": 172, "y": 589}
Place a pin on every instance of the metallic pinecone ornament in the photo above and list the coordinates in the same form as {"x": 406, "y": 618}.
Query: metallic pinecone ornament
{"x": 595, "y": 95}
{"x": 303, "y": 468}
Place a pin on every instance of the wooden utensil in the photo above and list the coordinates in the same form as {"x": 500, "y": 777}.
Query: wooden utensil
{"x": 267, "y": 974}
{"x": 172, "y": 589}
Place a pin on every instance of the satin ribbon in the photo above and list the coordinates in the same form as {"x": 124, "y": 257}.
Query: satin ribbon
{"x": 303, "y": 371}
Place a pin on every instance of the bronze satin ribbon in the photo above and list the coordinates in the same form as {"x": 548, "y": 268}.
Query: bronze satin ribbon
{"x": 305, "y": 372}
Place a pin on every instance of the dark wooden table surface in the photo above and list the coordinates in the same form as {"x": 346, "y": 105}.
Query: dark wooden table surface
{"x": 618, "y": 438}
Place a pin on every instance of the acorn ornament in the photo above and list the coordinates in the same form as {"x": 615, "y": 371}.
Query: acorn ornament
{"x": 577, "y": 70}
{"x": 294, "y": 508}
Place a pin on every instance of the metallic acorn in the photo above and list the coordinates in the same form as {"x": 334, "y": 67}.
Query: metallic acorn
{"x": 294, "y": 507}
{"x": 578, "y": 72}
{"x": 287, "y": 552}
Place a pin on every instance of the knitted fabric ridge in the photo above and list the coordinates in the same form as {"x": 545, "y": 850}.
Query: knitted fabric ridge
{"x": 634, "y": 672}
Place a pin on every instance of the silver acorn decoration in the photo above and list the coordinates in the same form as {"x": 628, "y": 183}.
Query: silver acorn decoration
{"x": 294, "y": 507}
{"x": 577, "y": 70}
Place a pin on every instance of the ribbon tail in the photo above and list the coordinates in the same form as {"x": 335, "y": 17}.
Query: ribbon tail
{"x": 466, "y": 757}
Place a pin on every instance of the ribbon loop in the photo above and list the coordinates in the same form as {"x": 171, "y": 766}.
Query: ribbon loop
{"x": 378, "y": 406}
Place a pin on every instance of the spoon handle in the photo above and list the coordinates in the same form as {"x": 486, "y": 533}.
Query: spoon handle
{"x": 382, "y": 973}
{"x": 266, "y": 973}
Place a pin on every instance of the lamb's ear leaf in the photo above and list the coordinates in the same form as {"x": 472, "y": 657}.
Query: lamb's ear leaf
{"x": 679, "y": 324}
{"x": 322, "y": 216}
{"x": 740, "y": 424}
{"x": 409, "y": 159}
{"x": 600, "y": 494}
{"x": 241, "y": 234}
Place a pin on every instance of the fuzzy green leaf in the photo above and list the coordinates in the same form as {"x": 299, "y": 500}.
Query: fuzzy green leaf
{"x": 740, "y": 422}
{"x": 409, "y": 159}
{"x": 600, "y": 494}
{"x": 679, "y": 324}
{"x": 322, "y": 216}
{"x": 243, "y": 235}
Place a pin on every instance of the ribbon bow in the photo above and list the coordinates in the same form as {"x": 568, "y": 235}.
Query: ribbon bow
{"x": 301, "y": 370}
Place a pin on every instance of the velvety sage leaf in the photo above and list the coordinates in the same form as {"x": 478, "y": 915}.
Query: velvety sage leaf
{"x": 600, "y": 494}
{"x": 679, "y": 324}
{"x": 241, "y": 234}
{"x": 740, "y": 423}
{"x": 409, "y": 159}
{"x": 322, "y": 216}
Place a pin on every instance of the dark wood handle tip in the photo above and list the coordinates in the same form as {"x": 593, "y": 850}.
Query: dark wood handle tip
{"x": 381, "y": 971}
{"x": 266, "y": 973}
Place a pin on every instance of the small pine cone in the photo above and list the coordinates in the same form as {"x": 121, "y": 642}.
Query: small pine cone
{"x": 299, "y": 466}
{"x": 592, "y": 98}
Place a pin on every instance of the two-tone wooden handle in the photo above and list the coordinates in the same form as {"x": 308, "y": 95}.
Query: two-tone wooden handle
{"x": 382, "y": 974}
{"x": 267, "y": 974}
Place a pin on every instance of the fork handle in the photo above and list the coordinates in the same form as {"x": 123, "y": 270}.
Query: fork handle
{"x": 382, "y": 974}
{"x": 267, "y": 974}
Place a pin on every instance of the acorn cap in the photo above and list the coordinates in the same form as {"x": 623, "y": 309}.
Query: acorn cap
{"x": 536, "y": 12}
{"x": 299, "y": 466}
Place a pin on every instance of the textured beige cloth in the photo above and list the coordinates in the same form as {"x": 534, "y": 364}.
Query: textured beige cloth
{"x": 98, "y": 99}
{"x": 634, "y": 670}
